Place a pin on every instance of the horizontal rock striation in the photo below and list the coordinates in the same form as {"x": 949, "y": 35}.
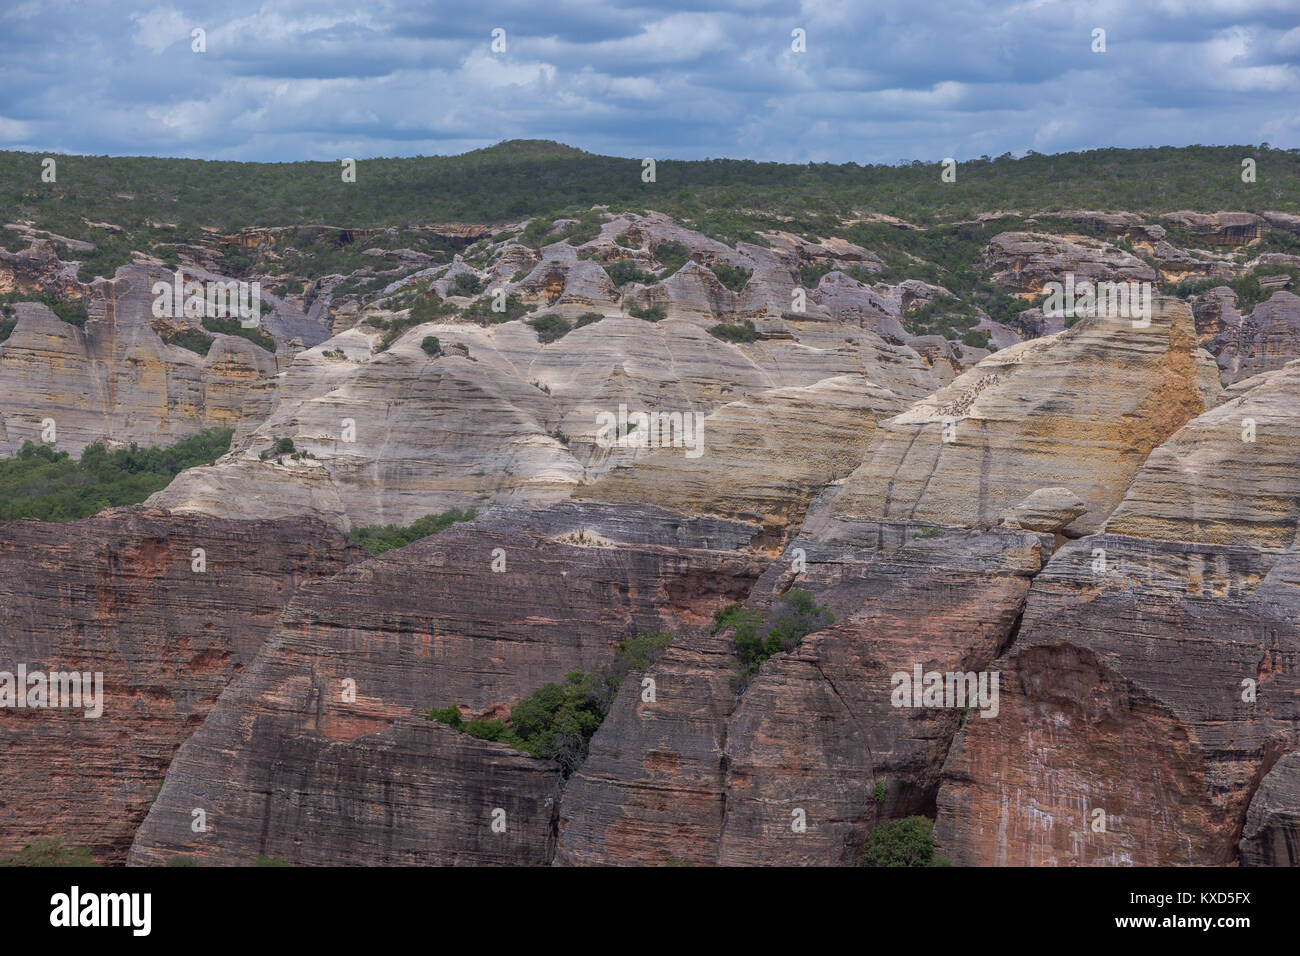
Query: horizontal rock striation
{"x": 1227, "y": 477}
{"x": 1078, "y": 410}
{"x": 289, "y": 765}
{"x": 1157, "y": 673}
{"x": 762, "y": 459}
{"x": 117, "y": 594}
{"x": 707, "y": 775}
{"x": 508, "y": 423}
{"x": 1148, "y": 697}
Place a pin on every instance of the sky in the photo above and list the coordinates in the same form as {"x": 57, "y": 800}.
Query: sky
{"x": 286, "y": 80}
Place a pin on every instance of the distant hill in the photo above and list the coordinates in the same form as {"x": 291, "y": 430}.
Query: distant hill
{"x": 727, "y": 198}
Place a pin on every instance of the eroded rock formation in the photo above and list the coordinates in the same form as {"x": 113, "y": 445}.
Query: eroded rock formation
{"x": 1103, "y": 516}
{"x": 119, "y": 594}
{"x": 290, "y": 766}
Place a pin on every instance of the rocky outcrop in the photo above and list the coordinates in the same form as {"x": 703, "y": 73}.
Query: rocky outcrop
{"x": 1272, "y": 832}
{"x": 1266, "y": 339}
{"x": 1216, "y": 313}
{"x": 1231, "y": 229}
{"x": 291, "y": 765}
{"x": 850, "y": 302}
{"x": 37, "y": 269}
{"x": 122, "y": 594}
{"x": 1078, "y": 410}
{"x": 500, "y": 419}
{"x": 389, "y": 439}
{"x": 1150, "y": 682}
{"x": 817, "y": 737}
{"x": 822, "y": 730}
{"x": 83, "y": 379}
{"x": 116, "y": 379}
{"x": 561, "y": 279}
{"x": 1024, "y": 262}
{"x": 1120, "y": 225}
{"x": 762, "y": 459}
{"x": 1177, "y": 265}
{"x": 1229, "y": 477}
{"x": 1047, "y": 510}
{"x": 1099, "y": 524}
{"x": 1155, "y": 678}
{"x": 799, "y": 767}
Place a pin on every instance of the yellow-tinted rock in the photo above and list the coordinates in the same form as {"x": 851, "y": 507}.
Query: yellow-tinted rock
{"x": 1080, "y": 409}
{"x": 1228, "y": 477}
{"x": 762, "y": 458}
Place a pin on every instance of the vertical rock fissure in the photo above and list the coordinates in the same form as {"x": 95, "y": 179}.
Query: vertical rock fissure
{"x": 553, "y": 827}
{"x": 866, "y": 739}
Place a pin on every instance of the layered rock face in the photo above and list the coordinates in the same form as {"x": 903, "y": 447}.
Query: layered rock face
{"x": 399, "y": 434}
{"x": 1265, "y": 340}
{"x": 1272, "y": 833}
{"x": 817, "y": 730}
{"x": 1230, "y": 229}
{"x": 118, "y": 595}
{"x": 946, "y": 603}
{"x": 398, "y": 438}
{"x": 1024, "y": 262}
{"x": 174, "y": 392}
{"x": 1116, "y": 693}
{"x": 291, "y": 765}
{"x": 536, "y": 414}
{"x": 799, "y": 767}
{"x": 1121, "y": 225}
{"x": 1099, "y": 524}
{"x": 390, "y": 435}
{"x": 1123, "y": 707}
{"x": 1229, "y": 477}
{"x": 1155, "y": 679}
{"x": 117, "y": 380}
{"x": 762, "y": 459}
{"x": 851, "y": 302}
{"x": 1078, "y": 410}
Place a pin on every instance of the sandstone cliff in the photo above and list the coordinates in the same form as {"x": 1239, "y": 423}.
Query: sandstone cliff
{"x": 117, "y": 380}
{"x": 1080, "y": 409}
{"x": 1104, "y": 516}
{"x": 118, "y": 594}
{"x": 1154, "y": 681}
{"x": 288, "y": 765}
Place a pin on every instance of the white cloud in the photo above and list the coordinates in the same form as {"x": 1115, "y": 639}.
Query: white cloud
{"x": 1051, "y": 134}
{"x": 161, "y": 27}
{"x": 676, "y": 38}
{"x": 879, "y": 82}
{"x": 13, "y": 130}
